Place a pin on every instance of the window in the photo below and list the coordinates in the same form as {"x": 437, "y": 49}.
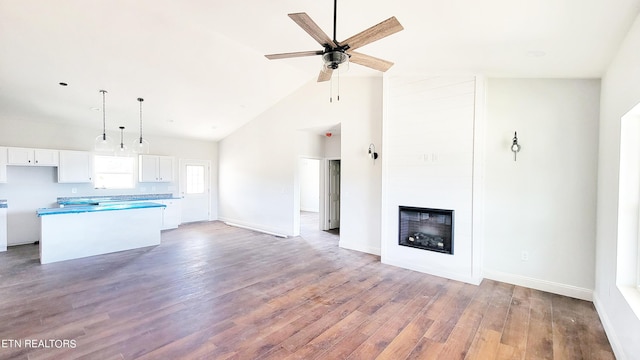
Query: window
{"x": 114, "y": 172}
{"x": 195, "y": 179}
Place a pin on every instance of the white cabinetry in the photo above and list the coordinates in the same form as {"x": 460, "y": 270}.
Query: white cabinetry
{"x": 171, "y": 215}
{"x": 155, "y": 168}
{"x": 32, "y": 157}
{"x": 3, "y": 164}
{"x": 75, "y": 167}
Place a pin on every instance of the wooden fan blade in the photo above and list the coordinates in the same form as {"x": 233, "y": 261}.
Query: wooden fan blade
{"x": 376, "y": 32}
{"x": 370, "y": 61}
{"x": 312, "y": 29}
{"x": 325, "y": 75}
{"x": 293, "y": 54}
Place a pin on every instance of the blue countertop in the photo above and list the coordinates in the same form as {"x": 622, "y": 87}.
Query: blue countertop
{"x": 3, "y": 204}
{"x": 95, "y": 200}
{"x": 94, "y": 208}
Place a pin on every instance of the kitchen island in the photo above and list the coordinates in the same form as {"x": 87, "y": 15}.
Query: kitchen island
{"x": 74, "y": 232}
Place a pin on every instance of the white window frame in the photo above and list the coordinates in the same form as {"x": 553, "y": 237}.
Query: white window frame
{"x": 121, "y": 167}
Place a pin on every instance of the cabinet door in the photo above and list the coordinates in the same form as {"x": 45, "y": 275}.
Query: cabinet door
{"x": 148, "y": 168}
{"x": 171, "y": 215}
{"x": 75, "y": 167}
{"x": 165, "y": 168}
{"x": 45, "y": 157}
{"x": 19, "y": 156}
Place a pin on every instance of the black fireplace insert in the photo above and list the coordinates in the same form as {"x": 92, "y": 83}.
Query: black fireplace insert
{"x": 427, "y": 229}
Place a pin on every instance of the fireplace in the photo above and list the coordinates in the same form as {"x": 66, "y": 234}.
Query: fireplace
{"x": 427, "y": 229}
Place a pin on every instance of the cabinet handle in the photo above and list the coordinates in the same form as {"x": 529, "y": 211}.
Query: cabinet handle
{"x": 36, "y": 161}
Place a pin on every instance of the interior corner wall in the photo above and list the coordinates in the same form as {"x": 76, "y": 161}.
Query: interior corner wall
{"x": 540, "y": 208}
{"x": 620, "y": 93}
{"x": 258, "y": 162}
{"x": 428, "y": 163}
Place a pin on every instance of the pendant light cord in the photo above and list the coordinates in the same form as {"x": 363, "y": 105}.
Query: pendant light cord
{"x": 104, "y": 117}
{"x": 140, "y": 100}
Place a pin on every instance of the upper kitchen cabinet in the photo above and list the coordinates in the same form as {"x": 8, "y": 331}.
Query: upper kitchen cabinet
{"x": 75, "y": 167}
{"x": 3, "y": 164}
{"x": 155, "y": 168}
{"x": 32, "y": 157}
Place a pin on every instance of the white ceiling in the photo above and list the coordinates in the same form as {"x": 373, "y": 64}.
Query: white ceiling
{"x": 199, "y": 64}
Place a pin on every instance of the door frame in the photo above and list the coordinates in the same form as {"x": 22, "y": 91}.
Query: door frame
{"x": 181, "y": 181}
{"x": 324, "y": 192}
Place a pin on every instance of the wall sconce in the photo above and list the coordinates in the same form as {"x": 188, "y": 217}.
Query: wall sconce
{"x": 515, "y": 147}
{"x": 372, "y": 152}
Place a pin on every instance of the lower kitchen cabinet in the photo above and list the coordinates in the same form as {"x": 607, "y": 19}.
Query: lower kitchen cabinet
{"x": 172, "y": 214}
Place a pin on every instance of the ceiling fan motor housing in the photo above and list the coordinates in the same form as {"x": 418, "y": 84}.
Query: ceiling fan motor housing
{"x": 333, "y": 59}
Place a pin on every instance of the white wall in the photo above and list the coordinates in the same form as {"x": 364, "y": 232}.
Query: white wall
{"x": 30, "y": 188}
{"x": 544, "y": 203}
{"x": 620, "y": 93}
{"x": 428, "y": 162}
{"x": 361, "y": 177}
{"x": 258, "y": 163}
{"x": 332, "y": 147}
{"x": 309, "y": 184}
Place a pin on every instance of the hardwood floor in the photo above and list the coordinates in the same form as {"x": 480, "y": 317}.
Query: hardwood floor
{"x": 211, "y": 291}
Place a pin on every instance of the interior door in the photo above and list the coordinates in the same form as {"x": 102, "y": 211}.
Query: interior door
{"x": 334, "y": 194}
{"x": 195, "y": 190}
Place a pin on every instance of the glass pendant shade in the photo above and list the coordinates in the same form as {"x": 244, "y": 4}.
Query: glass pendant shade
{"x": 140, "y": 145}
{"x": 103, "y": 143}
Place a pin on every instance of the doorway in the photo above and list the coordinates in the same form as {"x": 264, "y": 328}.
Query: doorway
{"x": 195, "y": 190}
{"x": 332, "y": 195}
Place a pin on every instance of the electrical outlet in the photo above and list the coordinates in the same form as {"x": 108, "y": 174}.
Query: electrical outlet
{"x": 74, "y": 190}
{"x": 524, "y": 256}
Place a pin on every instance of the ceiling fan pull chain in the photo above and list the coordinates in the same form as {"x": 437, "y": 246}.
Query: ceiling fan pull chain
{"x": 338, "y": 80}
{"x": 331, "y": 90}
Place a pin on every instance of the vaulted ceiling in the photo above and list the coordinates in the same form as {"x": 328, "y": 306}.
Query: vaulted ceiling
{"x": 200, "y": 65}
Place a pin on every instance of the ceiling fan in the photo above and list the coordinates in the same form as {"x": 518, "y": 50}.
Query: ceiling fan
{"x": 336, "y": 52}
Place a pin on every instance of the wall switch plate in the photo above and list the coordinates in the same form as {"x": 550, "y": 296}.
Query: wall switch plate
{"x": 524, "y": 256}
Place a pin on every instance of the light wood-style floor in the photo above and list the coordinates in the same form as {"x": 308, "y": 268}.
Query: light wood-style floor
{"x": 211, "y": 291}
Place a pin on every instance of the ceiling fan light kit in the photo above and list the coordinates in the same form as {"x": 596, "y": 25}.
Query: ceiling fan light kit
{"x": 336, "y": 53}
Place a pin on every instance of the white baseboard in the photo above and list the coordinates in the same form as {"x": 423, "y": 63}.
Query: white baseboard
{"x": 253, "y": 227}
{"x": 358, "y": 247}
{"x": 543, "y": 285}
{"x": 608, "y": 328}
{"x": 433, "y": 271}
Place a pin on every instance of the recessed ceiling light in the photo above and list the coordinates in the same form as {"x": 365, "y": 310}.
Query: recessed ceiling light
{"x": 63, "y": 84}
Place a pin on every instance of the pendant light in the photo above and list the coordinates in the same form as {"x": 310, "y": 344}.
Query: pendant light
{"x": 104, "y": 143}
{"x": 122, "y": 149}
{"x": 140, "y": 145}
